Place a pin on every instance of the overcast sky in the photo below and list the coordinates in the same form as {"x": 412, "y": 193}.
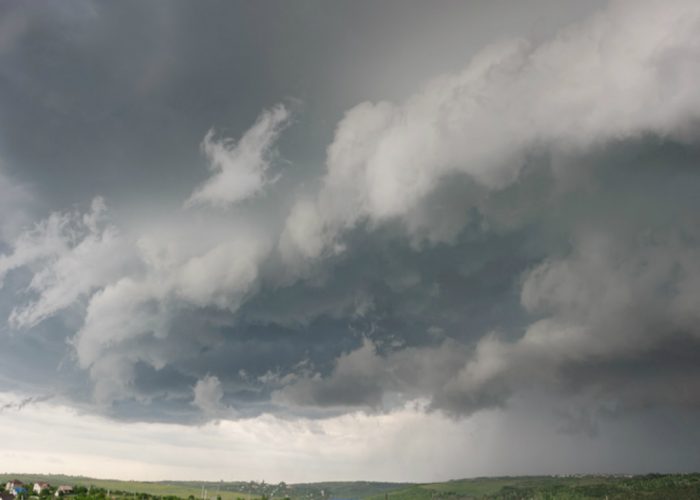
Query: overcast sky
{"x": 320, "y": 240}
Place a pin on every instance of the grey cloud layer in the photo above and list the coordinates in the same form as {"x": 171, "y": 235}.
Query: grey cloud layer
{"x": 526, "y": 223}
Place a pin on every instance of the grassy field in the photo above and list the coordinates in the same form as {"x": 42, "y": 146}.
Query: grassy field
{"x": 347, "y": 489}
{"x": 648, "y": 487}
{"x": 655, "y": 486}
{"x": 175, "y": 488}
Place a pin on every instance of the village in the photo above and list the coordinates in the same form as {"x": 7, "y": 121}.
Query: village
{"x": 46, "y": 487}
{"x": 16, "y": 489}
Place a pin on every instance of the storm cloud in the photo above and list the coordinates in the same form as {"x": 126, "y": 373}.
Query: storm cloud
{"x": 520, "y": 227}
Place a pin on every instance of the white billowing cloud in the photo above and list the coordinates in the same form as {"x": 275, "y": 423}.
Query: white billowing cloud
{"x": 240, "y": 169}
{"x": 630, "y": 70}
{"x": 130, "y": 285}
{"x": 121, "y": 311}
{"x": 72, "y": 255}
{"x": 138, "y": 308}
{"x": 208, "y": 394}
{"x": 303, "y": 232}
{"x": 223, "y": 276}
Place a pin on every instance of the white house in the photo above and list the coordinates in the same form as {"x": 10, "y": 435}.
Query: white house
{"x": 39, "y": 487}
{"x": 63, "y": 490}
{"x": 10, "y": 485}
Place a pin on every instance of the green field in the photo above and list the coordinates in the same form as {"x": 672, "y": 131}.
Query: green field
{"x": 652, "y": 486}
{"x": 164, "y": 488}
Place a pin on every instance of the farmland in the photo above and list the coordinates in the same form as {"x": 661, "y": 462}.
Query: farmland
{"x": 651, "y": 486}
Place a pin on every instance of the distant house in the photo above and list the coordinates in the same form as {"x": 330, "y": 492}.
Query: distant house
{"x": 10, "y": 485}
{"x": 40, "y": 486}
{"x": 4, "y": 495}
{"x": 63, "y": 490}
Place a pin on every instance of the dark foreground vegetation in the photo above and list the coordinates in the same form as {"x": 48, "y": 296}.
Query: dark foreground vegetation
{"x": 651, "y": 486}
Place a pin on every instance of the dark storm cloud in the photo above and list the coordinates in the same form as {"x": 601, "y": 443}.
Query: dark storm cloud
{"x": 523, "y": 223}
{"x": 114, "y": 98}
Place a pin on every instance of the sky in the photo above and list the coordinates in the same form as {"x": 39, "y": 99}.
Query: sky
{"x": 305, "y": 241}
